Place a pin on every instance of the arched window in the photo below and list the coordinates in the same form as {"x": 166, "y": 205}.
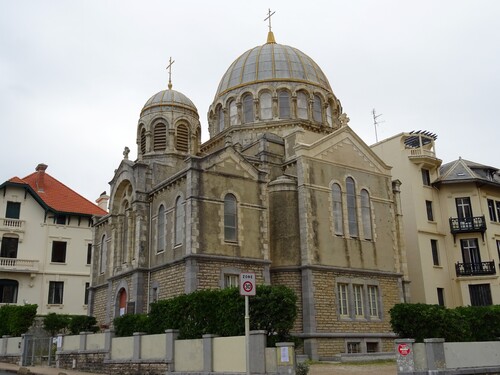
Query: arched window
{"x": 266, "y": 106}
{"x": 302, "y": 104}
{"x": 220, "y": 118}
{"x": 230, "y": 218}
{"x": 233, "y": 113}
{"x": 284, "y": 104}
{"x": 182, "y": 138}
{"x": 125, "y": 217}
{"x": 248, "y": 109}
{"x": 161, "y": 230}
{"x": 366, "y": 216}
{"x": 8, "y": 291}
{"x": 143, "y": 141}
{"x": 338, "y": 217}
{"x": 317, "y": 104}
{"x": 179, "y": 221}
{"x": 103, "y": 255}
{"x": 122, "y": 302}
{"x": 329, "y": 115}
{"x": 160, "y": 137}
{"x": 352, "y": 216}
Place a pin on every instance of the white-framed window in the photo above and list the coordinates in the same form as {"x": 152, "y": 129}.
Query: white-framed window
{"x": 373, "y": 300}
{"x": 358, "y": 300}
{"x": 56, "y": 292}
{"x": 231, "y": 280}
{"x": 343, "y": 299}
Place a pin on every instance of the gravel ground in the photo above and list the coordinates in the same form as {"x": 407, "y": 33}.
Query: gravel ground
{"x": 373, "y": 368}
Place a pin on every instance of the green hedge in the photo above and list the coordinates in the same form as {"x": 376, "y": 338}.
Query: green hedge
{"x": 220, "y": 312}
{"x": 74, "y": 324}
{"x": 462, "y": 324}
{"x": 16, "y": 320}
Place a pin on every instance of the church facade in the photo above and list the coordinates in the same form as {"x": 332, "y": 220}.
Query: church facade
{"x": 283, "y": 188}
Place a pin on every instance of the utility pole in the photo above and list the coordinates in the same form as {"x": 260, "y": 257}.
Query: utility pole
{"x": 376, "y": 123}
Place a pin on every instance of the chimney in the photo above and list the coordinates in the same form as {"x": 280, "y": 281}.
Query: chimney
{"x": 40, "y": 178}
{"x": 102, "y": 201}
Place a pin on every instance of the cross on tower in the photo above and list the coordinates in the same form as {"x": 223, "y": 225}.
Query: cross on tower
{"x": 169, "y": 68}
{"x": 269, "y": 14}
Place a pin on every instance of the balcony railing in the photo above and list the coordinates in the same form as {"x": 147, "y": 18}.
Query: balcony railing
{"x": 12, "y": 224}
{"x": 474, "y": 269}
{"x": 18, "y": 265}
{"x": 467, "y": 225}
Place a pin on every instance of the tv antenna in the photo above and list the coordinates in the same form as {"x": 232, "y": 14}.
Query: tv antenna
{"x": 376, "y": 122}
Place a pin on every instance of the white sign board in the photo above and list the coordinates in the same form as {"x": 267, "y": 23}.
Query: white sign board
{"x": 247, "y": 284}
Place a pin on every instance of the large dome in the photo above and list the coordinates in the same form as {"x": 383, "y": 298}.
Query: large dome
{"x": 272, "y": 62}
{"x": 168, "y": 98}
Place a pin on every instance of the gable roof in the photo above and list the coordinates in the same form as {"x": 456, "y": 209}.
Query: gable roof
{"x": 54, "y": 195}
{"x": 462, "y": 170}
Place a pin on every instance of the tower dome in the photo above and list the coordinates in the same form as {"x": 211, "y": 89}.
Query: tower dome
{"x": 168, "y": 99}
{"x": 273, "y": 85}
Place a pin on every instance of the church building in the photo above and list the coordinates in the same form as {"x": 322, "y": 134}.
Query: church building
{"x": 283, "y": 188}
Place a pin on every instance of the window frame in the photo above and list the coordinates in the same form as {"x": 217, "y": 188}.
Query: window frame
{"x": 160, "y": 230}
{"x": 284, "y": 104}
{"x": 492, "y": 210}
{"x": 317, "y": 108}
{"x": 9, "y": 247}
{"x": 59, "y": 252}
{"x": 426, "y": 177}
{"x": 435, "y": 253}
{"x": 230, "y": 218}
{"x": 266, "y": 105}
{"x": 429, "y": 210}
{"x": 89, "y": 254}
{"x": 352, "y": 209}
{"x": 13, "y": 210}
{"x": 373, "y": 301}
{"x": 302, "y": 110}
{"x": 440, "y": 296}
{"x": 247, "y": 106}
{"x": 366, "y": 215}
{"x": 337, "y": 208}
{"x": 480, "y": 294}
{"x": 56, "y": 293}
{"x": 9, "y": 288}
{"x": 180, "y": 217}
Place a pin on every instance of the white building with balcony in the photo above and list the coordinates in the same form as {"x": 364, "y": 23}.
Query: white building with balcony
{"x": 46, "y": 243}
{"x": 451, "y": 219}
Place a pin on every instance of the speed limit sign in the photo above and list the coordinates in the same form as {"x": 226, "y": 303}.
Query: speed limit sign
{"x": 247, "y": 284}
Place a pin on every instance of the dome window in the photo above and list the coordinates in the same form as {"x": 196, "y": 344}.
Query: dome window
{"x": 143, "y": 141}
{"x": 160, "y": 137}
{"x": 182, "y": 139}
{"x": 329, "y": 115}
{"x": 317, "y": 104}
{"x": 220, "y": 118}
{"x": 248, "y": 115}
{"x": 233, "y": 113}
{"x": 284, "y": 104}
{"x": 266, "y": 106}
{"x": 302, "y": 111}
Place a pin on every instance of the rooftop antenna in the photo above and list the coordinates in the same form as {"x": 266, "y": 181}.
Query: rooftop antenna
{"x": 169, "y": 68}
{"x": 376, "y": 122}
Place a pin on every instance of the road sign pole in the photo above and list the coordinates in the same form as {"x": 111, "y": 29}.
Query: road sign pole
{"x": 247, "y": 333}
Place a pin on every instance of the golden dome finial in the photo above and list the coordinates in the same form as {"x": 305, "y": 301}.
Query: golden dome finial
{"x": 169, "y": 67}
{"x": 270, "y": 35}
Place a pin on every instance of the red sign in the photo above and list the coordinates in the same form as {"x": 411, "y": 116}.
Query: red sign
{"x": 404, "y": 349}
{"x": 247, "y": 284}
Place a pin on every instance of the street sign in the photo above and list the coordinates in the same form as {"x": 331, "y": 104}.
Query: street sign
{"x": 247, "y": 284}
{"x": 404, "y": 349}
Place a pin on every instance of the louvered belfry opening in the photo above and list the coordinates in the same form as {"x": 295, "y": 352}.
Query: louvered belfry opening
{"x": 160, "y": 137}
{"x": 182, "y": 140}
{"x": 143, "y": 141}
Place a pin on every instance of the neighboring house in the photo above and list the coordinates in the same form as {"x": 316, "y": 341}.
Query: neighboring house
{"x": 283, "y": 188}
{"x": 451, "y": 216}
{"x": 46, "y": 244}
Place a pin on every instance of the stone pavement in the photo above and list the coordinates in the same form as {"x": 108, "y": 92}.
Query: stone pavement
{"x": 40, "y": 370}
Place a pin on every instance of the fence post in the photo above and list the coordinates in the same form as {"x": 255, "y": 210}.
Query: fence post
{"x": 258, "y": 352}
{"x": 3, "y": 349}
{"x": 137, "y": 345}
{"x": 25, "y": 342}
{"x": 108, "y": 339}
{"x": 434, "y": 350}
{"x": 404, "y": 355}
{"x": 208, "y": 352}
{"x": 170, "y": 336}
{"x": 83, "y": 341}
{"x": 286, "y": 358}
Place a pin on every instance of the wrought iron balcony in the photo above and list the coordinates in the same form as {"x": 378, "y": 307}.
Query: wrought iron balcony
{"x": 471, "y": 224}
{"x": 18, "y": 265}
{"x": 474, "y": 269}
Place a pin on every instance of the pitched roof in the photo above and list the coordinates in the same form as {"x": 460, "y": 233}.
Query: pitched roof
{"x": 462, "y": 170}
{"x": 56, "y": 195}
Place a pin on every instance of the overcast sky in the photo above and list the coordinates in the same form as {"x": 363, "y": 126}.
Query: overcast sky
{"x": 74, "y": 75}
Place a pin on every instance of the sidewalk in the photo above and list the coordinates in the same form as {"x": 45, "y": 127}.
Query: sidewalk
{"x": 40, "y": 370}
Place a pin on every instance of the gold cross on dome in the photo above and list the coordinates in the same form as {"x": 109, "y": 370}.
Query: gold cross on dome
{"x": 269, "y": 14}
{"x": 169, "y": 68}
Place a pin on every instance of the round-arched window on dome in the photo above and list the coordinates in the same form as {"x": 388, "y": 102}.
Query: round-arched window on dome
{"x": 220, "y": 118}
{"x": 302, "y": 104}
{"x": 233, "y": 113}
{"x": 248, "y": 115}
{"x": 266, "y": 106}
{"x": 329, "y": 115}
{"x": 284, "y": 103}
{"x": 317, "y": 104}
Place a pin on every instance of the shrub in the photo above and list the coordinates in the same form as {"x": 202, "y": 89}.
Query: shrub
{"x": 82, "y": 323}
{"x": 56, "y": 323}
{"x": 16, "y": 320}
{"x": 127, "y": 324}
